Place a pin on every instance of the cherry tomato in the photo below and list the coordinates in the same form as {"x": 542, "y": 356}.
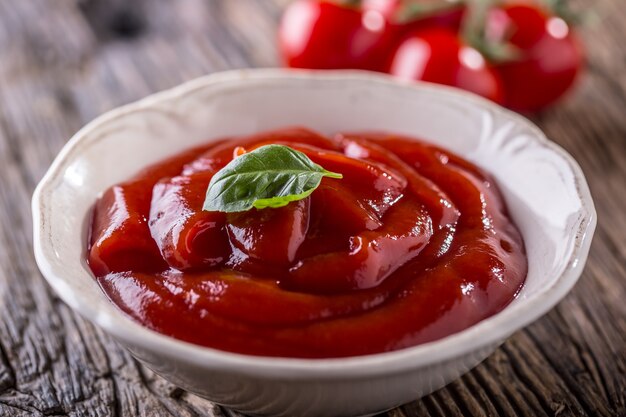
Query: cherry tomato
{"x": 438, "y": 55}
{"x": 550, "y": 55}
{"x": 327, "y": 35}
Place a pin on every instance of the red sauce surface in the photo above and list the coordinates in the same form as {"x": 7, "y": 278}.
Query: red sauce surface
{"x": 413, "y": 244}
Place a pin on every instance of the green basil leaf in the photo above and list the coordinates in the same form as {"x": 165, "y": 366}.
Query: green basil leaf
{"x": 270, "y": 176}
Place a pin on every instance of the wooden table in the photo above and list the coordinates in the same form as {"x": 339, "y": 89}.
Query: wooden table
{"x": 63, "y": 62}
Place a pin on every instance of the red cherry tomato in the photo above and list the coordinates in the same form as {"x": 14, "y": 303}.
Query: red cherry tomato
{"x": 440, "y": 56}
{"x": 326, "y": 35}
{"x": 550, "y": 55}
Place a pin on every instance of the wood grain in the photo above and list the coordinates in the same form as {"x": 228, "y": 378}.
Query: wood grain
{"x": 63, "y": 62}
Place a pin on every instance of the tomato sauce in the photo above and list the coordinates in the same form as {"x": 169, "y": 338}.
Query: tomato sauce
{"x": 412, "y": 245}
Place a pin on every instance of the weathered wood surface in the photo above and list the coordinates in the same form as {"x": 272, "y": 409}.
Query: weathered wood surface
{"x": 62, "y": 62}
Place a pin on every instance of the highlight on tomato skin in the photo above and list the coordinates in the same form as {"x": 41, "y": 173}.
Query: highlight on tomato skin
{"x": 440, "y": 56}
{"x": 412, "y": 243}
{"x": 404, "y": 17}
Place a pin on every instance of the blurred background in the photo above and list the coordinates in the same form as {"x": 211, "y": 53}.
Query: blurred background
{"x": 131, "y": 48}
{"x": 64, "y": 62}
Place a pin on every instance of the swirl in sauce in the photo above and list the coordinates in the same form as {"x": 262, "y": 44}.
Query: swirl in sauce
{"x": 412, "y": 245}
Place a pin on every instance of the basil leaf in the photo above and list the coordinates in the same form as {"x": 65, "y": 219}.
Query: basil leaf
{"x": 270, "y": 176}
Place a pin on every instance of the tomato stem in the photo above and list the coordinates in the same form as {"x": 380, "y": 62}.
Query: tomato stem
{"x": 349, "y": 3}
{"x": 474, "y": 33}
{"x": 412, "y": 10}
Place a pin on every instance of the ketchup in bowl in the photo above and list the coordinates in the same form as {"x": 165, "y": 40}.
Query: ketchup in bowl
{"x": 412, "y": 244}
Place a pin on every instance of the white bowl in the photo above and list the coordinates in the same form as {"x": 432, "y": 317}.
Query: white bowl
{"x": 545, "y": 189}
